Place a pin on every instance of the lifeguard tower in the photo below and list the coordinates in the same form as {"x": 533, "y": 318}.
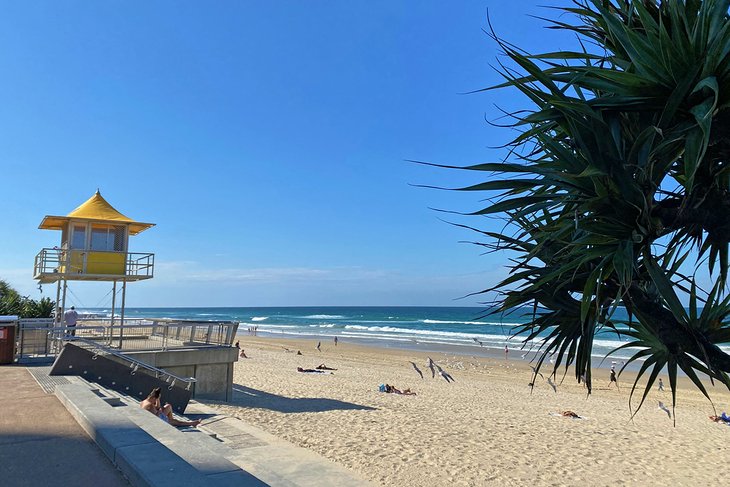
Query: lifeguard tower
{"x": 94, "y": 247}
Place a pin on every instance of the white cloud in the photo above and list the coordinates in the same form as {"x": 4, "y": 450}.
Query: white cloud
{"x": 189, "y": 271}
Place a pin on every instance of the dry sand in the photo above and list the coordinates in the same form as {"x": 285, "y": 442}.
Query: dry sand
{"x": 486, "y": 428}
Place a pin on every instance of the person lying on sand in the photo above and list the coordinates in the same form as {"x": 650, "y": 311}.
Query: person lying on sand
{"x": 324, "y": 367}
{"x": 721, "y": 419}
{"x": 312, "y": 371}
{"x": 393, "y": 390}
{"x": 152, "y": 404}
{"x": 570, "y": 414}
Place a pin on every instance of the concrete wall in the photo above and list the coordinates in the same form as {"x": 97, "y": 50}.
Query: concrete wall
{"x": 211, "y": 367}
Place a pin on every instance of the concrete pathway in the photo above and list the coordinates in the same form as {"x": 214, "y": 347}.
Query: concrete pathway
{"x": 40, "y": 443}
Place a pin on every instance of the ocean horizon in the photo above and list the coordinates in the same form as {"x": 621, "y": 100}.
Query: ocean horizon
{"x": 465, "y": 330}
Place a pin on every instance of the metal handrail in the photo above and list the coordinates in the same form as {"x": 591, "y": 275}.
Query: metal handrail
{"x": 58, "y": 261}
{"x": 134, "y": 363}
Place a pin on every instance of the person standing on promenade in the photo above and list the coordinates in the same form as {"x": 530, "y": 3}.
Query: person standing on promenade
{"x": 70, "y": 318}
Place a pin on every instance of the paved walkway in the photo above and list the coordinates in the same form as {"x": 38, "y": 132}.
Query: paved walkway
{"x": 40, "y": 443}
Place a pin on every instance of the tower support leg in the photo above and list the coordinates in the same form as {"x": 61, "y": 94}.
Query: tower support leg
{"x": 121, "y": 313}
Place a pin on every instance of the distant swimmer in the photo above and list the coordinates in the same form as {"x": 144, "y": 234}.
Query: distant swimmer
{"x": 417, "y": 369}
{"x": 430, "y": 366}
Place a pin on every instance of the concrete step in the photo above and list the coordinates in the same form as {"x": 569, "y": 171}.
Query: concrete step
{"x": 224, "y": 449}
{"x": 166, "y": 458}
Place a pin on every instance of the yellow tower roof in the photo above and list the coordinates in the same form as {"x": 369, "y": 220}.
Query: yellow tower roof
{"x": 96, "y": 209}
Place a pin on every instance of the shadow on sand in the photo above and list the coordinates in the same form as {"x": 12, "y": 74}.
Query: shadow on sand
{"x": 253, "y": 398}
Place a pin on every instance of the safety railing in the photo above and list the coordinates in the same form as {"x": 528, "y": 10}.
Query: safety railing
{"x": 135, "y": 365}
{"x": 164, "y": 334}
{"x": 52, "y": 263}
{"x": 135, "y": 335}
{"x": 42, "y": 340}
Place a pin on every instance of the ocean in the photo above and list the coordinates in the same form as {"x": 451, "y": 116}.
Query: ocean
{"x": 455, "y": 329}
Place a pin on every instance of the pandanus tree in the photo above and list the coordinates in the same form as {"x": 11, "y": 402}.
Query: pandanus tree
{"x": 616, "y": 189}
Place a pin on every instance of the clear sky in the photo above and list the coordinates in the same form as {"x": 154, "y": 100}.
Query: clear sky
{"x": 266, "y": 139}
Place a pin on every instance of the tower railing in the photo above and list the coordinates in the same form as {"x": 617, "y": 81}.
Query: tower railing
{"x": 55, "y": 263}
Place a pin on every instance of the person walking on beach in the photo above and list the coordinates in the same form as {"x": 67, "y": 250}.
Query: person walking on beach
{"x": 506, "y": 352}
{"x": 613, "y": 378}
{"x": 661, "y": 385}
{"x": 319, "y": 344}
{"x": 70, "y": 318}
{"x": 335, "y": 341}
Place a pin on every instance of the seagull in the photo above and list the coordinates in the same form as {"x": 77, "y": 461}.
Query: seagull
{"x": 665, "y": 409}
{"x": 447, "y": 377}
{"x": 319, "y": 344}
{"x": 417, "y": 369}
{"x": 552, "y": 384}
{"x": 537, "y": 372}
{"x": 430, "y": 366}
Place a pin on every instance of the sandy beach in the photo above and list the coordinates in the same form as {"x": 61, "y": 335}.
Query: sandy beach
{"x": 486, "y": 428}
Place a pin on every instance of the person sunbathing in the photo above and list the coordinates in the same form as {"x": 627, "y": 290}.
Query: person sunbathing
{"x": 570, "y": 414}
{"x": 393, "y": 390}
{"x": 152, "y": 404}
{"x": 324, "y": 367}
{"x": 312, "y": 371}
{"x": 721, "y": 419}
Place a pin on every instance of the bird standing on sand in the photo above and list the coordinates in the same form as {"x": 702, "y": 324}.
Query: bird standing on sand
{"x": 552, "y": 384}
{"x": 319, "y": 344}
{"x": 665, "y": 409}
{"x": 447, "y": 377}
{"x": 430, "y": 366}
{"x": 417, "y": 369}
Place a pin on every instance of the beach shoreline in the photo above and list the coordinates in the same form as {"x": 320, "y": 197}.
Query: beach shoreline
{"x": 489, "y": 427}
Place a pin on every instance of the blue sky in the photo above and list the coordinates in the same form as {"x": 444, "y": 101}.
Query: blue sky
{"x": 267, "y": 141}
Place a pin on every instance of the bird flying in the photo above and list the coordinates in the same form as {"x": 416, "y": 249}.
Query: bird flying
{"x": 430, "y": 366}
{"x": 447, "y": 377}
{"x": 417, "y": 369}
{"x": 665, "y": 409}
{"x": 536, "y": 372}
